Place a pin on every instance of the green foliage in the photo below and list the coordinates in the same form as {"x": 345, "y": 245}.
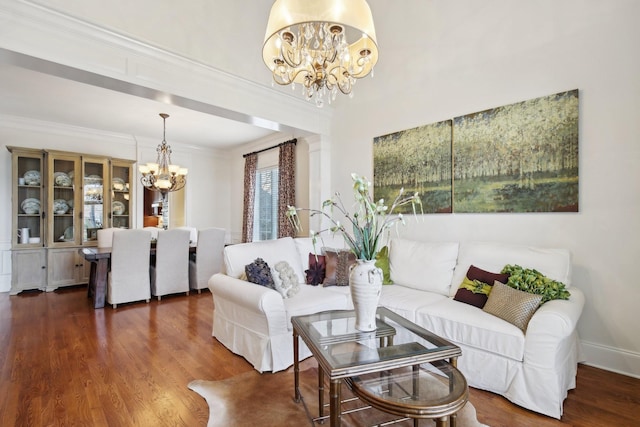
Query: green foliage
{"x": 382, "y": 262}
{"x": 534, "y": 282}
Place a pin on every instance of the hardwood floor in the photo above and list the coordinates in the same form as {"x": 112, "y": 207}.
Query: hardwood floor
{"x": 64, "y": 363}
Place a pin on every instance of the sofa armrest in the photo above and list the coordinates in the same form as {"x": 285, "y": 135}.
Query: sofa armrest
{"x": 254, "y": 306}
{"x": 551, "y": 331}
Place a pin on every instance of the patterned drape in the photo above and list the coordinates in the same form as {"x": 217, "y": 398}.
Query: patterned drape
{"x": 286, "y": 187}
{"x": 250, "y": 166}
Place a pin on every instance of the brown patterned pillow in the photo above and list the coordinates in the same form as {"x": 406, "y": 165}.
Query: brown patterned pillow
{"x": 337, "y": 264}
{"x": 512, "y": 305}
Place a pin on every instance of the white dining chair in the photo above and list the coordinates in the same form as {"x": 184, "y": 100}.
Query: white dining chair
{"x": 208, "y": 257}
{"x": 170, "y": 274}
{"x": 154, "y": 231}
{"x": 193, "y": 234}
{"x": 105, "y": 237}
{"x": 128, "y": 279}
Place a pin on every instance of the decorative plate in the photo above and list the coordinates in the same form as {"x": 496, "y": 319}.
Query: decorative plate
{"x": 118, "y": 184}
{"x": 30, "y": 206}
{"x": 62, "y": 179}
{"x": 68, "y": 234}
{"x": 118, "y": 207}
{"x": 32, "y": 177}
{"x": 60, "y": 206}
{"x": 93, "y": 179}
{"x": 70, "y": 203}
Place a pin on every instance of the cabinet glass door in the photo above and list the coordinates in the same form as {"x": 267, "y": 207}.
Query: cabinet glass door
{"x": 121, "y": 190}
{"x": 62, "y": 203}
{"x": 29, "y": 202}
{"x": 93, "y": 198}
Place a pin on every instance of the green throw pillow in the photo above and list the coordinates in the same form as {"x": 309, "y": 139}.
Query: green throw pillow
{"x": 382, "y": 262}
{"x": 534, "y": 282}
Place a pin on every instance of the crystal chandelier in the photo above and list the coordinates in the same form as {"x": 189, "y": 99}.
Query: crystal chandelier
{"x": 163, "y": 176}
{"x": 324, "y": 45}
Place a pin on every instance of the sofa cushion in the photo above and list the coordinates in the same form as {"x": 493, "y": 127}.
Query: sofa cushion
{"x": 514, "y": 306}
{"x": 285, "y": 280}
{"x": 272, "y": 251}
{"x": 258, "y": 272}
{"x": 405, "y": 301}
{"x": 337, "y": 266}
{"x": 470, "y": 293}
{"x": 427, "y": 266}
{"x": 312, "y": 299}
{"x": 317, "y": 269}
{"x": 554, "y": 263}
{"x": 382, "y": 262}
{"x": 462, "y": 323}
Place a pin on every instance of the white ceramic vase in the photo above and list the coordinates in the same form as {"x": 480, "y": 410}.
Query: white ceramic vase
{"x": 365, "y": 282}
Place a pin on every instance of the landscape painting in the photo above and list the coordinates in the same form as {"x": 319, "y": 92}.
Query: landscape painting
{"x": 518, "y": 158}
{"x": 417, "y": 159}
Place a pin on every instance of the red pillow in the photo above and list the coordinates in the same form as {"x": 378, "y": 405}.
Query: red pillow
{"x": 478, "y": 299}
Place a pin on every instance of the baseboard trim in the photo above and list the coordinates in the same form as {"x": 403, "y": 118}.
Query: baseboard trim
{"x": 611, "y": 359}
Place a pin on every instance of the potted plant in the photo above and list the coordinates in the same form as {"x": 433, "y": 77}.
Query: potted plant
{"x": 368, "y": 223}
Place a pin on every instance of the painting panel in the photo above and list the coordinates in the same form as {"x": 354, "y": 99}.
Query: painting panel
{"x": 417, "y": 159}
{"x": 518, "y": 158}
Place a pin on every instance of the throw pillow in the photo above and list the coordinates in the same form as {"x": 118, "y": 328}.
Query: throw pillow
{"x": 532, "y": 281}
{"x": 258, "y": 272}
{"x": 338, "y": 263}
{"x": 316, "y": 272}
{"x": 285, "y": 279}
{"x": 476, "y": 286}
{"x": 514, "y": 306}
{"x": 382, "y": 262}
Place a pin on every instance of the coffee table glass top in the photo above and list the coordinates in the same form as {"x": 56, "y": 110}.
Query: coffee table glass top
{"x": 343, "y": 351}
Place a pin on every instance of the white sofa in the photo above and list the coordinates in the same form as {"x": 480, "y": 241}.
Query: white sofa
{"x": 534, "y": 370}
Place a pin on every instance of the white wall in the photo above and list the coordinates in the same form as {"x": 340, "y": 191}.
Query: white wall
{"x": 497, "y": 53}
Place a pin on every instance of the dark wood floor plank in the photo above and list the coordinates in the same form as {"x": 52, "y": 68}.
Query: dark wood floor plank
{"x": 65, "y": 363}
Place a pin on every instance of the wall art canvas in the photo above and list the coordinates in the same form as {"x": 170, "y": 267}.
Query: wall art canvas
{"x": 518, "y": 158}
{"x": 417, "y": 159}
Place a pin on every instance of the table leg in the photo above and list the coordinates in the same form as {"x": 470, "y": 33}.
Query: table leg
{"x": 102, "y": 270}
{"x": 91, "y": 286}
{"x": 334, "y": 402}
{"x": 320, "y": 392}
{"x": 296, "y": 367}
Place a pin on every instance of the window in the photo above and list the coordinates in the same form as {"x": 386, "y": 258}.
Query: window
{"x": 265, "y": 216}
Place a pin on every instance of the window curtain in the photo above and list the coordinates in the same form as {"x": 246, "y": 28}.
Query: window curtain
{"x": 286, "y": 187}
{"x": 250, "y": 166}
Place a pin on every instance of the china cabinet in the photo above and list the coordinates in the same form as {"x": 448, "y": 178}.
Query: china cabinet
{"x": 59, "y": 202}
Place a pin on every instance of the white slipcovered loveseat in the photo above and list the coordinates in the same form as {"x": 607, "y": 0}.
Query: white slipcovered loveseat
{"x": 534, "y": 370}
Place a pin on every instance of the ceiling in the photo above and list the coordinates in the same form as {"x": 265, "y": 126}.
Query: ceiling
{"x": 46, "y": 97}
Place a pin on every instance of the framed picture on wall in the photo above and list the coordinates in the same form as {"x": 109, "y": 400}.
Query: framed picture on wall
{"x": 417, "y": 159}
{"x": 521, "y": 157}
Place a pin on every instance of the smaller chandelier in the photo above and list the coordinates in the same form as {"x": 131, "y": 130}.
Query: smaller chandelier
{"x": 324, "y": 45}
{"x": 163, "y": 176}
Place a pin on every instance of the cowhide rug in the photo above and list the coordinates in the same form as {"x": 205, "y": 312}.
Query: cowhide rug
{"x": 254, "y": 399}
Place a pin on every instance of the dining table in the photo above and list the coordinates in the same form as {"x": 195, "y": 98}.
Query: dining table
{"x": 100, "y": 261}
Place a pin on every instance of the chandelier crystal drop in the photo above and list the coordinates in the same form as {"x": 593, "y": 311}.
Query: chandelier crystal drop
{"x": 163, "y": 176}
{"x": 323, "y": 45}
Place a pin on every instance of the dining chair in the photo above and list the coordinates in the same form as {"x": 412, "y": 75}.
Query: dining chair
{"x": 154, "y": 231}
{"x": 208, "y": 257}
{"x": 128, "y": 279}
{"x": 105, "y": 237}
{"x": 170, "y": 274}
{"x": 193, "y": 234}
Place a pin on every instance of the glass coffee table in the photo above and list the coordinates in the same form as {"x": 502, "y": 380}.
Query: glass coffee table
{"x": 345, "y": 353}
